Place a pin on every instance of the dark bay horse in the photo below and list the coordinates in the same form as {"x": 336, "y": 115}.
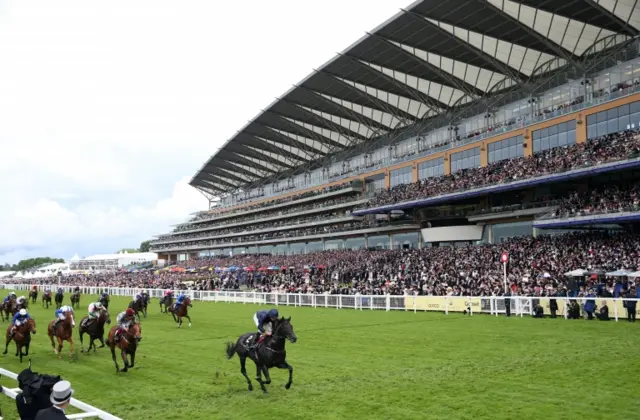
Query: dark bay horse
{"x": 46, "y": 299}
{"x": 58, "y": 298}
{"x": 33, "y": 295}
{"x": 95, "y": 330}
{"x": 166, "y": 301}
{"x": 128, "y": 344}
{"x": 75, "y": 300}
{"x": 139, "y": 307}
{"x": 62, "y": 331}
{"x": 22, "y": 337}
{"x": 270, "y": 353}
{"x": 7, "y": 309}
{"x": 181, "y": 312}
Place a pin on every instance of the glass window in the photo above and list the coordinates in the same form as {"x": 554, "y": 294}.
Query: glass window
{"x": 506, "y": 149}
{"x": 405, "y": 240}
{"x": 314, "y": 246}
{"x": 354, "y": 243}
{"x": 296, "y": 248}
{"x": 334, "y": 244}
{"x": 504, "y": 231}
{"x": 466, "y": 159}
{"x": 431, "y": 168}
{"x": 400, "y": 176}
{"x": 559, "y": 135}
{"x": 613, "y": 121}
{"x": 266, "y": 249}
{"x": 379, "y": 242}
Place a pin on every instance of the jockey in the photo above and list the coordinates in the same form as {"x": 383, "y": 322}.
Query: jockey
{"x": 168, "y": 293}
{"x": 105, "y": 295}
{"x": 20, "y": 300}
{"x": 94, "y": 312}
{"x": 124, "y": 321}
{"x": 264, "y": 322}
{"x": 181, "y": 297}
{"x": 60, "y": 291}
{"x": 18, "y": 319}
{"x": 9, "y": 297}
{"x": 138, "y": 297}
{"x": 61, "y": 315}
{"x": 76, "y": 289}
{"x": 47, "y": 289}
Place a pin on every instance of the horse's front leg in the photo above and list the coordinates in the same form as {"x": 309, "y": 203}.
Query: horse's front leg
{"x": 285, "y": 365}
{"x": 133, "y": 359}
{"x": 259, "y": 377}
{"x": 71, "y": 346}
{"x": 26, "y": 349}
{"x": 123, "y": 354}
{"x": 82, "y": 342}
{"x": 265, "y": 370}
{"x": 19, "y": 351}
{"x": 113, "y": 357}
{"x": 6, "y": 346}
{"x": 179, "y": 321}
{"x": 243, "y": 370}
{"x": 189, "y": 318}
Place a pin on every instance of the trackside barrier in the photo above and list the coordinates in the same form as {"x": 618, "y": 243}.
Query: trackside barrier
{"x": 492, "y": 305}
{"x": 88, "y": 411}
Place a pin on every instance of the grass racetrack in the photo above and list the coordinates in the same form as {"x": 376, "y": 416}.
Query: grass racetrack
{"x": 357, "y": 364}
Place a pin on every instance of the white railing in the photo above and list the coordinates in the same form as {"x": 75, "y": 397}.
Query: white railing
{"x": 88, "y": 411}
{"x": 492, "y": 305}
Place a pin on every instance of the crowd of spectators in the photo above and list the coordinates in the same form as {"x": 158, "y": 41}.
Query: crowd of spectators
{"x": 537, "y": 267}
{"x": 233, "y": 210}
{"x": 265, "y": 217}
{"x": 270, "y": 234}
{"x": 601, "y": 150}
{"x": 614, "y": 198}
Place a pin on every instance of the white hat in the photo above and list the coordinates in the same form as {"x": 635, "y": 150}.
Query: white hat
{"x": 61, "y": 393}
{"x": 23, "y": 312}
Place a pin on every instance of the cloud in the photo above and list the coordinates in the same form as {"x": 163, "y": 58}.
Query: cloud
{"x": 108, "y": 108}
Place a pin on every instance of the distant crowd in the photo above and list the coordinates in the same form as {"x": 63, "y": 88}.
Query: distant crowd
{"x": 537, "y": 267}
{"x": 612, "y": 147}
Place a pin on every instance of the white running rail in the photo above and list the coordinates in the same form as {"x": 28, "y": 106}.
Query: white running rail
{"x": 493, "y": 305}
{"x": 88, "y": 411}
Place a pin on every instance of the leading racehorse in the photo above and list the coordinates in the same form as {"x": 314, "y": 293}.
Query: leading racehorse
{"x": 46, "y": 298}
{"x": 22, "y": 337}
{"x": 62, "y": 331}
{"x": 58, "y": 298}
{"x": 128, "y": 344}
{"x": 181, "y": 311}
{"x": 270, "y": 353}
{"x": 75, "y": 300}
{"x": 95, "y": 329}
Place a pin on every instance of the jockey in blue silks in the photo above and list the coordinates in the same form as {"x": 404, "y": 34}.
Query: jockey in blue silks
{"x": 61, "y": 314}
{"x": 181, "y": 297}
{"x": 18, "y": 319}
{"x": 9, "y": 297}
{"x": 264, "y": 322}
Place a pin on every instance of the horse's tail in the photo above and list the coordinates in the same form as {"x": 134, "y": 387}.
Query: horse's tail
{"x": 231, "y": 349}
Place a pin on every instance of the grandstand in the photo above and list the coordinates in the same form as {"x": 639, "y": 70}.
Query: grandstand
{"x": 457, "y": 122}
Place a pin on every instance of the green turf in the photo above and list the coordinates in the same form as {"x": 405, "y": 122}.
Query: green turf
{"x": 361, "y": 364}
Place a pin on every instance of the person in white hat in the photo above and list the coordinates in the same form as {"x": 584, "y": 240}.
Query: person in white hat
{"x": 60, "y": 398}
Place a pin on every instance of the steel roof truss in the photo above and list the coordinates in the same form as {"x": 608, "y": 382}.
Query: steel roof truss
{"x": 631, "y": 31}
{"x": 258, "y": 142}
{"x": 276, "y": 137}
{"x": 307, "y": 133}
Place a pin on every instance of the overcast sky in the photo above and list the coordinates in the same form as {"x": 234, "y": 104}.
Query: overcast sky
{"x": 108, "y": 108}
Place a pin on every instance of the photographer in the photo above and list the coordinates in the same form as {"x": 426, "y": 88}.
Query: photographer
{"x": 604, "y": 312}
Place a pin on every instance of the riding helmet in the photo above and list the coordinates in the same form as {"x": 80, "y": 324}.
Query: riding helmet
{"x": 130, "y": 312}
{"x": 273, "y": 313}
{"x": 23, "y": 312}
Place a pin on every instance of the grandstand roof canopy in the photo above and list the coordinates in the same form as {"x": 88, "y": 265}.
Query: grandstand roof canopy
{"x": 429, "y": 58}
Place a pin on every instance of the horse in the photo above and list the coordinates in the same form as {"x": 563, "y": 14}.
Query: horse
{"x": 75, "y": 300}
{"x": 128, "y": 344}
{"x": 22, "y": 337}
{"x": 95, "y": 330}
{"x": 270, "y": 353}
{"x": 46, "y": 299}
{"x": 7, "y": 309}
{"x": 139, "y": 307}
{"x": 58, "y": 298}
{"x": 181, "y": 312}
{"x": 62, "y": 331}
{"x": 105, "y": 301}
{"x": 33, "y": 295}
{"x": 166, "y": 301}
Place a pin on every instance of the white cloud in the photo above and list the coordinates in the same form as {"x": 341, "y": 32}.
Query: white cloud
{"x": 104, "y": 106}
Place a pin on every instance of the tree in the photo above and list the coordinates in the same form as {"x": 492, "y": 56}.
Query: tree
{"x": 30, "y": 263}
{"x": 145, "y": 246}
{"x": 128, "y": 250}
